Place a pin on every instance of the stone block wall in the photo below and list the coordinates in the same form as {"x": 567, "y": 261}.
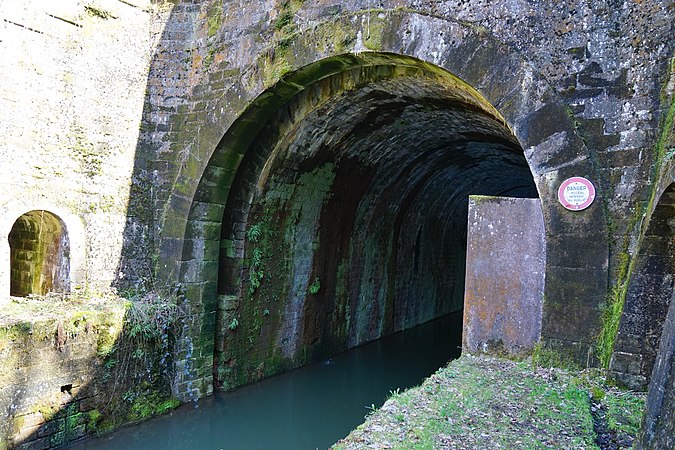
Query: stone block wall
{"x": 39, "y": 255}
{"x": 114, "y": 114}
{"x": 578, "y": 82}
{"x": 648, "y": 296}
{"x": 47, "y": 369}
{"x": 658, "y": 423}
{"x": 69, "y": 370}
{"x": 74, "y": 76}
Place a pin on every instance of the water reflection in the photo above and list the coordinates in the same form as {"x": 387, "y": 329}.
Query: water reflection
{"x": 308, "y": 408}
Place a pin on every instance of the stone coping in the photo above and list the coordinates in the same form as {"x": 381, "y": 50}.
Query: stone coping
{"x": 51, "y": 307}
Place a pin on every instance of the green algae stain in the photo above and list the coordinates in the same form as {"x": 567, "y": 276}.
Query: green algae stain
{"x": 372, "y": 38}
{"x": 613, "y": 308}
{"x": 281, "y": 240}
{"x": 214, "y": 19}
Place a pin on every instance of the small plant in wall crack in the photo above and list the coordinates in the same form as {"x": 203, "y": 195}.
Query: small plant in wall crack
{"x": 233, "y": 324}
{"x": 254, "y": 233}
{"x": 256, "y": 271}
{"x": 151, "y": 315}
{"x": 314, "y": 288}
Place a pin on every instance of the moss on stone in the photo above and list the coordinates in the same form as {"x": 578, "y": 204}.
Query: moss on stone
{"x": 97, "y": 324}
{"x": 284, "y": 19}
{"x": 151, "y": 404}
{"x": 48, "y": 411}
{"x": 613, "y": 308}
{"x": 372, "y": 38}
{"x": 545, "y": 357}
{"x": 93, "y": 418}
{"x": 107, "y": 338}
{"x": 334, "y": 38}
{"x": 214, "y": 19}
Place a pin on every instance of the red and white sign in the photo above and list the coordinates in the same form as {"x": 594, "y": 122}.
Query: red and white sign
{"x": 576, "y": 193}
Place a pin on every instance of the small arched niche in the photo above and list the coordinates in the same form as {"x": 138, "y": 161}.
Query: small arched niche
{"x": 39, "y": 255}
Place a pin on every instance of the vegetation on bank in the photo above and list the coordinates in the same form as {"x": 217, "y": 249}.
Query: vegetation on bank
{"x": 484, "y": 402}
{"x": 121, "y": 348}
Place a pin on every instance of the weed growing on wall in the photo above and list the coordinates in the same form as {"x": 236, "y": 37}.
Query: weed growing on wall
{"x": 151, "y": 316}
{"x": 256, "y": 271}
{"x": 129, "y": 345}
{"x": 314, "y": 288}
{"x": 139, "y": 364}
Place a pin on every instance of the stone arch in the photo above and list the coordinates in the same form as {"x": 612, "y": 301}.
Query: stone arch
{"x": 649, "y": 294}
{"x": 527, "y": 106}
{"x": 71, "y": 223}
{"x": 39, "y": 254}
{"x": 378, "y": 148}
{"x": 349, "y": 202}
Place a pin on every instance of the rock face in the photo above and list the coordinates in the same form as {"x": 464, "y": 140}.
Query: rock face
{"x": 658, "y": 425}
{"x": 300, "y": 170}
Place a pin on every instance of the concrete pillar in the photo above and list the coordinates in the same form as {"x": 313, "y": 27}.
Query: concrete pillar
{"x": 505, "y": 265}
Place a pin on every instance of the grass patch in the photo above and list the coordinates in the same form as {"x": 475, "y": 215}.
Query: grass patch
{"x": 624, "y": 411}
{"x": 494, "y": 403}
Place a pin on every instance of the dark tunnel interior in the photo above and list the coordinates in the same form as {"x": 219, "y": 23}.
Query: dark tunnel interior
{"x": 347, "y": 218}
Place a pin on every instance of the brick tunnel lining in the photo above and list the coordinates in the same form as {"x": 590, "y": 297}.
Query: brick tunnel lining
{"x": 359, "y": 204}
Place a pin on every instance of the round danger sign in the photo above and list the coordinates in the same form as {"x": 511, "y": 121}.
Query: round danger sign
{"x": 576, "y": 193}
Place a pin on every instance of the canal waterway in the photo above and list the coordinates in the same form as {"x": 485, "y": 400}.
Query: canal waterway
{"x": 308, "y": 408}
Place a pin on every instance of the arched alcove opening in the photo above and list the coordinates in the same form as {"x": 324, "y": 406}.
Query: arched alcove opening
{"x": 39, "y": 255}
{"x": 649, "y": 293}
{"x": 346, "y": 218}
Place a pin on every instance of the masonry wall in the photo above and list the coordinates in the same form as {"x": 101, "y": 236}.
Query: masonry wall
{"x": 98, "y": 111}
{"x": 73, "y": 86}
{"x": 658, "y": 423}
{"x": 114, "y": 115}
{"x": 70, "y": 369}
{"x": 648, "y": 297}
{"x": 579, "y": 83}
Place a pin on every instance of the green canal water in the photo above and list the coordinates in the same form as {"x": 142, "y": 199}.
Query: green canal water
{"x": 308, "y": 408}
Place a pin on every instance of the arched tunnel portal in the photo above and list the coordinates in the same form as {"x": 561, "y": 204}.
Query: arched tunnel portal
{"x": 346, "y": 216}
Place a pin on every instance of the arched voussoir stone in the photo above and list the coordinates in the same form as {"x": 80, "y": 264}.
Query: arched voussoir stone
{"x": 502, "y": 76}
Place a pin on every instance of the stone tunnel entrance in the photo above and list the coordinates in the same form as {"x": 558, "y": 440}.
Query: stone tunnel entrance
{"x": 346, "y": 219}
